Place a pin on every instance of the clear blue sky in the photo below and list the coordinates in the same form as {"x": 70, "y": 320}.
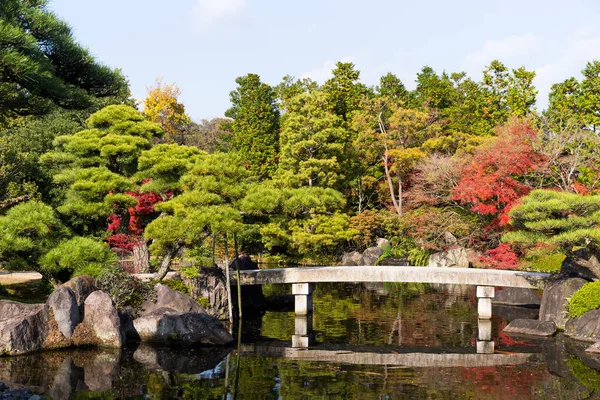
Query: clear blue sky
{"x": 203, "y": 45}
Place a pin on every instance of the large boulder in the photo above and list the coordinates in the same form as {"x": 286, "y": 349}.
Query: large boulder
{"x": 167, "y": 326}
{"x": 555, "y": 303}
{"x": 24, "y": 333}
{"x": 453, "y": 258}
{"x": 582, "y": 263}
{"x": 517, "y": 297}
{"x": 172, "y": 299}
{"x": 101, "y": 325}
{"x": 63, "y": 307}
{"x": 530, "y": 327}
{"x": 82, "y": 286}
{"x": 351, "y": 259}
{"x": 370, "y": 256}
{"x": 585, "y": 328}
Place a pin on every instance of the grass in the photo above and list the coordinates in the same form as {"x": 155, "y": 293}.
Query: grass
{"x": 25, "y": 292}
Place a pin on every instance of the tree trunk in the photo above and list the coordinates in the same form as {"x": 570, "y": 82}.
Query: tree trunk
{"x": 141, "y": 257}
{"x": 165, "y": 264}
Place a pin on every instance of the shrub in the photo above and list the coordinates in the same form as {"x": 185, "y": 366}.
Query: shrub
{"x": 77, "y": 256}
{"x": 406, "y": 247}
{"x": 585, "y": 299}
{"x": 2, "y": 290}
{"x": 124, "y": 289}
{"x": 544, "y": 259}
{"x": 502, "y": 257}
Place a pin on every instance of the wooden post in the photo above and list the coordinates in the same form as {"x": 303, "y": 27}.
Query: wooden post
{"x": 228, "y": 285}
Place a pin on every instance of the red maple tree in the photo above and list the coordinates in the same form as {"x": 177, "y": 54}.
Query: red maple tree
{"x": 497, "y": 175}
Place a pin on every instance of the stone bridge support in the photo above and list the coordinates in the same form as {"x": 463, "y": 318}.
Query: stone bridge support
{"x": 303, "y": 335}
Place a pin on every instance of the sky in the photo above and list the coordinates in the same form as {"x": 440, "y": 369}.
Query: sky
{"x": 203, "y": 45}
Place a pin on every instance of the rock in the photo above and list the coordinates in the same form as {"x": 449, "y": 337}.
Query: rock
{"x": 517, "y": 297}
{"x": 370, "y": 256}
{"x": 166, "y": 326}
{"x": 530, "y": 327}
{"x": 65, "y": 381}
{"x": 555, "y": 304}
{"x": 62, "y": 304}
{"x": 101, "y": 324}
{"x": 180, "y": 359}
{"x": 126, "y": 316}
{"x": 172, "y": 299}
{"x": 586, "y": 327}
{"x": 24, "y": 333}
{"x": 582, "y": 263}
{"x": 594, "y": 349}
{"x": 82, "y": 286}
{"x": 100, "y": 373}
{"x": 383, "y": 243}
{"x": 11, "y": 309}
{"x": 453, "y": 258}
{"x": 450, "y": 240}
{"x": 514, "y": 312}
{"x": 351, "y": 259}
{"x": 210, "y": 285}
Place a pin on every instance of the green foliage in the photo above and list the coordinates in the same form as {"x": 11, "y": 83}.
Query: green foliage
{"x": 587, "y": 376}
{"x": 44, "y": 69}
{"x": 27, "y": 232}
{"x": 77, "y": 256}
{"x": 587, "y": 298}
{"x": 406, "y": 247}
{"x": 313, "y": 143}
{"x": 556, "y": 218}
{"x": 543, "y": 259}
{"x": 204, "y": 302}
{"x": 124, "y": 289}
{"x": 344, "y": 91}
{"x": 93, "y": 167}
{"x": 255, "y": 124}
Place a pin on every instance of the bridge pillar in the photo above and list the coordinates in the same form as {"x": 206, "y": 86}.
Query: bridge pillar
{"x": 485, "y": 344}
{"x": 303, "y": 297}
{"x": 485, "y": 294}
{"x": 303, "y": 336}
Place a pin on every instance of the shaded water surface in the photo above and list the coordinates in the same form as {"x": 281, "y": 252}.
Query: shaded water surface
{"x": 372, "y": 342}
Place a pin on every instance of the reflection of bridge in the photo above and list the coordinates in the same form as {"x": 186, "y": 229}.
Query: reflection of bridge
{"x": 407, "y": 360}
{"x": 303, "y": 281}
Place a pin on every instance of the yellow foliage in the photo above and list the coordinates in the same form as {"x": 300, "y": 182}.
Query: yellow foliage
{"x": 162, "y": 106}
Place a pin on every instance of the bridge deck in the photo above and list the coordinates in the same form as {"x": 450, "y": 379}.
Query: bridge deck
{"x": 450, "y": 276}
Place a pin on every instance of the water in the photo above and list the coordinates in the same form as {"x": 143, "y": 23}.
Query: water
{"x": 376, "y": 342}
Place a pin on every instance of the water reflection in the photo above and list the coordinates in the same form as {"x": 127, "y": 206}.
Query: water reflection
{"x": 389, "y": 342}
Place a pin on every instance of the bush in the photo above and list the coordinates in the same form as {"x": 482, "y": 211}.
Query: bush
{"x": 544, "y": 259}
{"x": 77, "y": 256}
{"x": 124, "y": 289}
{"x": 406, "y": 247}
{"x": 2, "y": 290}
{"x": 585, "y": 299}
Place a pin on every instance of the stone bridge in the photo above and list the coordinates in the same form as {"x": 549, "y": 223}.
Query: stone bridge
{"x": 303, "y": 282}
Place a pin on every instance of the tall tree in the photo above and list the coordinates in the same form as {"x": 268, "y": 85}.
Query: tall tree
{"x": 163, "y": 107}
{"x": 43, "y": 67}
{"x": 255, "y": 124}
{"x": 344, "y": 91}
{"x": 93, "y": 167}
{"x": 313, "y": 141}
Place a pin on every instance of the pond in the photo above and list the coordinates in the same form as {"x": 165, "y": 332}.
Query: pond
{"x": 401, "y": 341}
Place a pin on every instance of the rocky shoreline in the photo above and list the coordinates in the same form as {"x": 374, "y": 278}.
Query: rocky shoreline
{"x": 17, "y": 394}
{"x": 78, "y": 313}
